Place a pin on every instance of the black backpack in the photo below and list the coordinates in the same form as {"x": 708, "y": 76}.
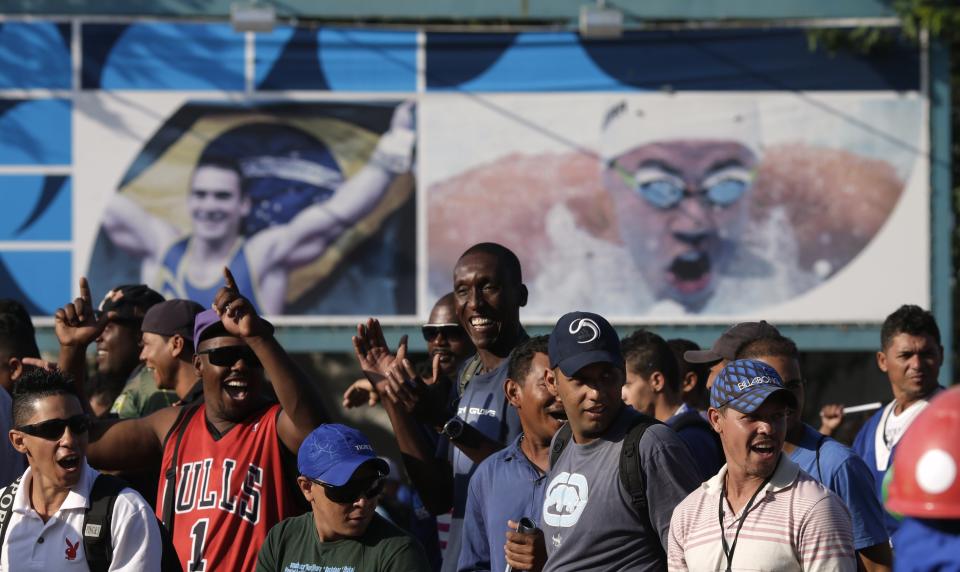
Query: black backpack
{"x": 631, "y": 471}
{"x": 97, "y": 519}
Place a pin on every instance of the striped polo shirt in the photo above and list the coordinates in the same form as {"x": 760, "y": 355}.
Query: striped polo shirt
{"x": 794, "y": 524}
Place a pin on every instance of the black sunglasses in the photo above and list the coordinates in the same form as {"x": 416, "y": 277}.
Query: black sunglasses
{"x": 431, "y": 331}
{"x": 227, "y": 356}
{"x": 348, "y": 493}
{"x": 53, "y": 429}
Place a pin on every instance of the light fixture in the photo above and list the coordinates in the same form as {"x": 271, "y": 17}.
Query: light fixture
{"x": 598, "y": 21}
{"x": 254, "y": 17}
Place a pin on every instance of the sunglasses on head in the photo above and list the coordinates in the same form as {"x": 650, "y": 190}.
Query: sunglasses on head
{"x": 431, "y": 331}
{"x": 52, "y": 429}
{"x": 353, "y": 490}
{"x": 229, "y": 355}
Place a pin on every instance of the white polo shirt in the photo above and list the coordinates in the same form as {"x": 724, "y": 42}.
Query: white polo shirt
{"x": 57, "y": 545}
{"x": 794, "y": 525}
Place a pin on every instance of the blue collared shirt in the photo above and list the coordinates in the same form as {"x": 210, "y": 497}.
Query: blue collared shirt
{"x": 506, "y": 486}
{"x": 842, "y": 471}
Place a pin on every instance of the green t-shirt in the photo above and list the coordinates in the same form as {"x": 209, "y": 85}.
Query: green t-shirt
{"x": 141, "y": 397}
{"x": 293, "y": 546}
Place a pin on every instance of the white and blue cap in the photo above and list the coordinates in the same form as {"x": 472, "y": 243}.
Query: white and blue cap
{"x": 580, "y": 339}
{"x": 331, "y": 453}
{"x": 746, "y": 384}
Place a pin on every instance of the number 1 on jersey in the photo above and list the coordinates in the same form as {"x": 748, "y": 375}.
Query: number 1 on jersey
{"x": 197, "y": 562}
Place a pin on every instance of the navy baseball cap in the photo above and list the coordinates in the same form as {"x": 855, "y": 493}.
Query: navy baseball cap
{"x": 580, "y": 339}
{"x": 745, "y": 384}
{"x": 331, "y": 453}
{"x": 730, "y": 341}
{"x": 172, "y": 317}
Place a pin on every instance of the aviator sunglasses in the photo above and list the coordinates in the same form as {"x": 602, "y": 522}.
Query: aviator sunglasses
{"x": 353, "y": 490}
{"x": 431, "y": 331}
{"x": 229, "y": 355}
{"x": 53, "y": 429}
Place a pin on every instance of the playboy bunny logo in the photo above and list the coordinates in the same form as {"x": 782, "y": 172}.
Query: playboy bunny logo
{"x": 590, "y": 330}
{"x": 71, "y": 553}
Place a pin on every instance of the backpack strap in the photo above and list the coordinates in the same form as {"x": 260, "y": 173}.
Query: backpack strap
{"x": 467, "y": 372}
{"x": 97, "y": 537}
{"x": 6, "y": 508}
{"x": 560, "y": 441}
{"x": 170, "y": 476}
{"x": 631, "y": 470}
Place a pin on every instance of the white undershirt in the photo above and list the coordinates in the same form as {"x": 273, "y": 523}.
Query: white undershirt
{"x": 891, "y": 429}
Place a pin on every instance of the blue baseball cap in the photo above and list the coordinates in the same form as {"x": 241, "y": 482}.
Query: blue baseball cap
{"x": 580, "y": 339}
{"x": 745, "y": 384}
{"x": 331, "y": 453}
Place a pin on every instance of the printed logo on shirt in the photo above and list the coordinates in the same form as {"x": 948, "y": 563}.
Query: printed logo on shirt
{"x": 478, "y": 411}
{"x": 566, "y": 497}
{"x": 302, "y": 567}
{"x": 71, "y": 553}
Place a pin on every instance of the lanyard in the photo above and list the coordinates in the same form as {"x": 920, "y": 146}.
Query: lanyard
{"x": 728, "y": 550}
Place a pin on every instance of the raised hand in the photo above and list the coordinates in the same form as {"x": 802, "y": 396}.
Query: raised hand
{"x": 238, "y": 315}
{"x": 360, "y": 392}
{"x": 372, "y": 352}
{"x": 76, "y": 323}
{"x": 402, "y": 384}
{"x": 831, "y": 416}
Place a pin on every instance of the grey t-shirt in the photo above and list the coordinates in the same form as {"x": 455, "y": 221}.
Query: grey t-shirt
{"x": 588, "y": 520}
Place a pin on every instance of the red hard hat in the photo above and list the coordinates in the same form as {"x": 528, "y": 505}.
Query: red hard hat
{"x": 926, "y": 464}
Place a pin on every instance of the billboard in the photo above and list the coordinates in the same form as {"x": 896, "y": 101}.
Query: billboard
{"x": 666, "y": 177}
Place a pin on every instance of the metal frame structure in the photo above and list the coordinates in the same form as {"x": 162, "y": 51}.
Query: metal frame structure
{"x": 562, "y": 14}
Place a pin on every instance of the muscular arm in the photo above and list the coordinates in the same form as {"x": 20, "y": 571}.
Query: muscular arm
{"x": 135, "y": 230}
{"x": 432, "y": 477}
{"x": 310, "y": 232}
{"x": 130, "y": 444}
{"x": 300, "y": 398}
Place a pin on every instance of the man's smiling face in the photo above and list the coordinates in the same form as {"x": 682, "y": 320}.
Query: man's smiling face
{"x": 488, "y": 298}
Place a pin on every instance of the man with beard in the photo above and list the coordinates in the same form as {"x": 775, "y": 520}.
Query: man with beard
{"x": 445, "y": 338}
{"x": 509, "y": 485}
{"x": 911, "y": 355}
{"x": 227, "y": 462}
{"x": 760, "y": 512}
{"x": 599, "y": 514}
{"x": 489, "y": 292}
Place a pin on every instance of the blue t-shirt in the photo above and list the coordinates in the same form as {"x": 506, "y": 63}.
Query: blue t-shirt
{"x": 483, "y": 406}
{"x": 927, "y": 546}
{"x": 843, "y": 472}
{"x": 699, "y": 437}
{"x": 865, "y": 446}
{"x": 506, "y": 486}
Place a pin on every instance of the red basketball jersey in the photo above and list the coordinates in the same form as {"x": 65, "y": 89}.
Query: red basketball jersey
{"x": 228, "y": 492}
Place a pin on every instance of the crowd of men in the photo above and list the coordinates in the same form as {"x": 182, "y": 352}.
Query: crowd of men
{"x": 578, "y": 450}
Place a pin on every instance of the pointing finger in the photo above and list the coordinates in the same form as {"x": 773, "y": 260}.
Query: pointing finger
{"x": 85, "y": 291}
{"x": 228, "y": 279}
